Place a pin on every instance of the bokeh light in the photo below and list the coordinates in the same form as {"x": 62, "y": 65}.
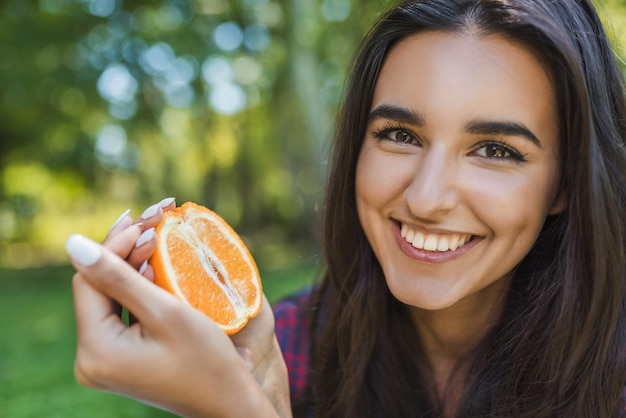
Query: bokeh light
{"x": 228, "y": 36}
{"x": 117, "y": 85}
{"x": 227, "y": 98}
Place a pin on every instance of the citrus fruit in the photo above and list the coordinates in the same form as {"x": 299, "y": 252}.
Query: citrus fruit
{"x": 201, "y": 260}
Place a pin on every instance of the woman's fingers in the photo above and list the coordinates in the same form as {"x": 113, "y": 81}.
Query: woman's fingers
{"x": 124, "y": 241}
{"x": 115, "y": 278}
{"x": 91, "y": 306}
{"x": 148, "y": 219}
{"x": 122, "y": 222}
{"x": 145, "y": 243}
{"x": 168, "y": 203}
{"x": 96, "y": 328}
{"x": 142, "y": 250}
{"x": 153, "y": 214}
{"x": 134, "y": 245}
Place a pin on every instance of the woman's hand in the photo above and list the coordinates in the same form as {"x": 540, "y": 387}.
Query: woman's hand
{"x": 173, "y": 357}
{"x": 146, "y": 242}
{"x": 256, "y": 343}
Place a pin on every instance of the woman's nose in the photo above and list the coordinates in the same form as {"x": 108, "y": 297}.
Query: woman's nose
{"x": 434, "y": 189}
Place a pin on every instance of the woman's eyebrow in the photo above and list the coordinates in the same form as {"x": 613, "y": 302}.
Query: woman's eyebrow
{"x": 396, "y": 113}
{"x": 477, "y": 127}
{"x": 502, "y": 128}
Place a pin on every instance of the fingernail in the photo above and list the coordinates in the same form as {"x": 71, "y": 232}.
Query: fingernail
{"x": 122, "y": 216}
{"x": 151, "y": 211}
{"x": 167, "y": 201}
{"x": 145, "y": 237}
{"x": 83, "y": 250}
{"x": 143, "y": 267}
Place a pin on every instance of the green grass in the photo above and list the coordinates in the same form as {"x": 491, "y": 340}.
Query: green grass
{"x": 38, "y": 343}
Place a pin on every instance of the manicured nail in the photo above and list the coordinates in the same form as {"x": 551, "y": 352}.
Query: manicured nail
{"x": 145, "y": 237}
{"x": 122, "y": 216}
{"x": 83, "y": 250}
{"x": 150, "y": 212}
{"x": 167, "y": 201}
{"x": 143, "y": 267}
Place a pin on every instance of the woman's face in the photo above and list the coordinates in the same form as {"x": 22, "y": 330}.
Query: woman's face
{"x": 459, "y": 166}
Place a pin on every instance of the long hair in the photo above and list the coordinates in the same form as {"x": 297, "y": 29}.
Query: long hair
{"x": 559, "y": 347}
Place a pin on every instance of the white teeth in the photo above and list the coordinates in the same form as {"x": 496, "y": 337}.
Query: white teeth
{"x": 410, "y": 234}
{"x": 433, "y": 242}
{"x": 418, "y": 241}
{"x": 442, "y": 245}
{"x": 454, "y": 242}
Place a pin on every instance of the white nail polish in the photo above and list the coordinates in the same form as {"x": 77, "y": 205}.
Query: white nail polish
{"x": 167, "y": 201}
{"x": 122, "y": 216}
{"x": 83, "y": 250}
{"x": 146, "y": 236}
{"x": 143, "y": 267}
{"x": 150, "y": 212}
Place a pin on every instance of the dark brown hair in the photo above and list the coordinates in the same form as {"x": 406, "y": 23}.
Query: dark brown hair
{"x": 558, "y": 349}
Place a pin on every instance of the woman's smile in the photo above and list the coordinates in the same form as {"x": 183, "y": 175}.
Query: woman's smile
{"x": 432, "y": 241}
{"x": 431, "y": 246}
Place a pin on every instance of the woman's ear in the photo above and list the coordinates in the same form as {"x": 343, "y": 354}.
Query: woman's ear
{"x": 559, "y": 204}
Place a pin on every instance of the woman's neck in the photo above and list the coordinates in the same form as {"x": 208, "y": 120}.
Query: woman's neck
{"x": 449, "y": 335}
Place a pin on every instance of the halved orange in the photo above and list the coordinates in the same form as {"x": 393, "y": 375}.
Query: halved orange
{"x": 201, "y": 260}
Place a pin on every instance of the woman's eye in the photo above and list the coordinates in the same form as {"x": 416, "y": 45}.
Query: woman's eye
{"x": 398, "y": 135}
{"x": 498, "y": 152}
{"x": 493, "y": 151}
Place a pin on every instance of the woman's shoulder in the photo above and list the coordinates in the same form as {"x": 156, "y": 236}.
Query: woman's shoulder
{"x": 292, "y": 331}
{"x": 293, "y": 303}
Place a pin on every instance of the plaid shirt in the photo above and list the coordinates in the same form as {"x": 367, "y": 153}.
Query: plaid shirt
{"x": 292, "y": 331}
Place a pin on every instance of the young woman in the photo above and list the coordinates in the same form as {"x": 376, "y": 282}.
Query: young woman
{"x": 474, "y": 235}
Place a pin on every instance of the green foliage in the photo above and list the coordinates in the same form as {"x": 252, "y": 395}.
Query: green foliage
{"x": 613, "y": 14}
{"x": 112, "y": 104}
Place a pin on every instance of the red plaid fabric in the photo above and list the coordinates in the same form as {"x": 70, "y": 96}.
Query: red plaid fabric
{"x": 292, "y": 331}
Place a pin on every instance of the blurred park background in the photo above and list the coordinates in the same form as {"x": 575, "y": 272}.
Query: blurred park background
{"x": 114, "y": 104}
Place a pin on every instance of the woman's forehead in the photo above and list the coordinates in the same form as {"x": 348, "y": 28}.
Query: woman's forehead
{"x": 463, "y": 77}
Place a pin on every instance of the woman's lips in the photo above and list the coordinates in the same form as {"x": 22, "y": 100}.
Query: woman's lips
{"x": 433, "y": 247}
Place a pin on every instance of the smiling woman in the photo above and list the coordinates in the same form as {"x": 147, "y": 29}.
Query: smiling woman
{"x": 474, "y": 240}
{"x": 487, "y": 144}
